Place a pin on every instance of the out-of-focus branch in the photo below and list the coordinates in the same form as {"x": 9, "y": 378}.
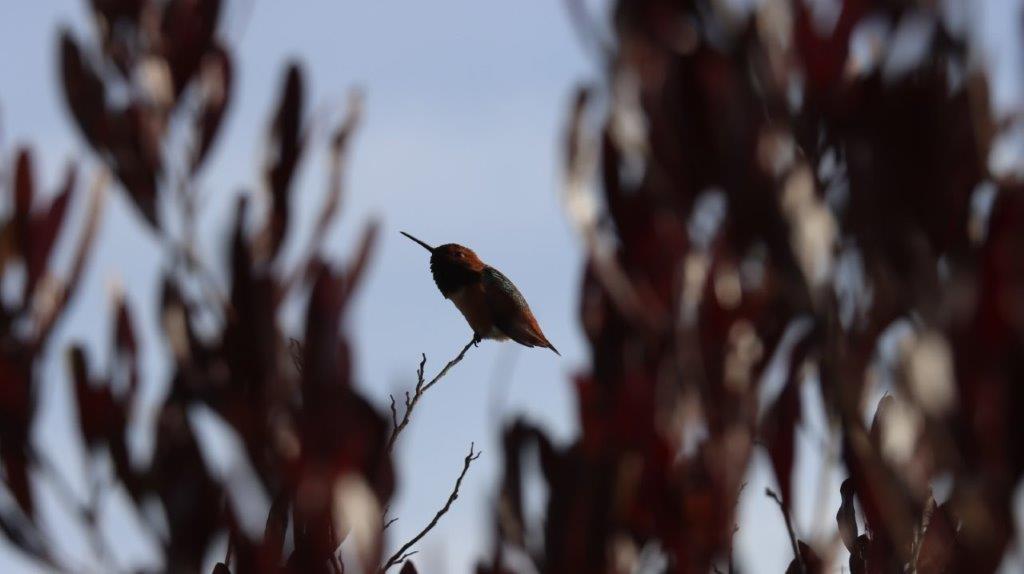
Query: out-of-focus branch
{"x": 421, "y": 387}
{"x": 403, "y": 553}
{"x": 789, "y": 527}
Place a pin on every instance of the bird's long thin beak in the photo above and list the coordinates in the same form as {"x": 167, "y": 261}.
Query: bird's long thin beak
{"x": 425, "y": 246}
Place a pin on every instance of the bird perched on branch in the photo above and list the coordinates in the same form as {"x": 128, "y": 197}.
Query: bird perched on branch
{"x": 491, "y": 304}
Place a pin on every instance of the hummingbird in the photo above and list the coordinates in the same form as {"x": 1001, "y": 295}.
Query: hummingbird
{"x": 489, "y": 301}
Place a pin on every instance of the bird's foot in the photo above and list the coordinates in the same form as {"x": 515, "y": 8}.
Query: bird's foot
{"x": 476, "y": 340}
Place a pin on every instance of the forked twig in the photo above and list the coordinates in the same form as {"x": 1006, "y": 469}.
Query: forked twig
{"x": 421, "y": 387}
{"x": 403, "y": 553}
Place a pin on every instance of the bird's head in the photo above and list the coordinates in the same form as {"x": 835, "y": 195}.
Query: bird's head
{"x": 458, "y": 256}
{"x": 452, "y": 265}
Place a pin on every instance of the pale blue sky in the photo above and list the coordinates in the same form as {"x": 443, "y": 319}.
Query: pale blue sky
{"x": 465, "y": 106}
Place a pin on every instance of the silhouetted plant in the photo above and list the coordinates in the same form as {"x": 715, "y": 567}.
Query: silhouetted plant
{"x": 745, "y": 155}
{"x": 318, "y": 450}
{"x": 753, "y": 194}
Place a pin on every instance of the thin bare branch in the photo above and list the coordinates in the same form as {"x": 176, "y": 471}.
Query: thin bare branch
{"x": 421, "y": 387}
{"x": 384, "y": 515}
{"x": 403, "y": 553}
{"x": 394, "y": 413}
{"x": 407, "y": 555}
{"x": 789, "y": 527}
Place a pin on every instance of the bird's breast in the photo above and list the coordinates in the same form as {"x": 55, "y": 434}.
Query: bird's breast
{"x": 472, "y": 303}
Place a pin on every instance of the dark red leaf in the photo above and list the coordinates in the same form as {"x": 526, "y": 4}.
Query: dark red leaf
{"x": 43, "y": 233}
{"x": 17, "y": 410}
{"x": 188, "y": 28}
{"x": 102, "y": 420}
{"x": 251, "y": 339}
{"x": 135, "y": 140}
{"x": 24, "y": 192}
{"x": 192, "y": 501}
{"x": 780, "y": 434}
{"x": 320, "y": 348}
{"x": 124, "y": 334}
{"x": 936, "y": 553}
{"x": 129, "y": 139}
{"x": 846, "y": 517}
{"x": 286, "y": 147}
{"x": 514, "y": 442}
{"x": 825, "y": 55}
{"x": 84, "y": 92}
{"x": 127, "y": 347}
{"x": 100, "y": 416}
{"x": 273, "y": 535}
{"x": 358, "y": 266}
{"x": 408, "y": 568}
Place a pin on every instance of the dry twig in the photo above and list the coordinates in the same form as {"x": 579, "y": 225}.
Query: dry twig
{"x": 403, "y": 553}
{"x": 789, "y": 527}
{"x": 421, "y": 387}
{"x": 384, "y": 518}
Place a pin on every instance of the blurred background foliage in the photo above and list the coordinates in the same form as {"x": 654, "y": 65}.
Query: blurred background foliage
{"x": 772, "y": 195}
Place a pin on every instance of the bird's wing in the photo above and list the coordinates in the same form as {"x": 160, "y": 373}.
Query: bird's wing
{"x": 509, "y": 310}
